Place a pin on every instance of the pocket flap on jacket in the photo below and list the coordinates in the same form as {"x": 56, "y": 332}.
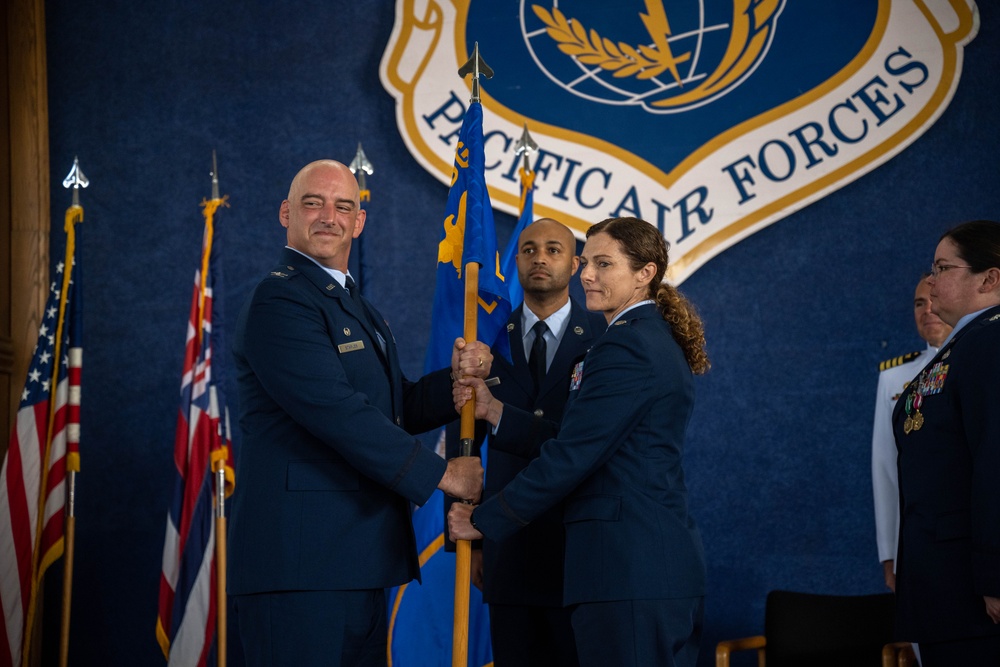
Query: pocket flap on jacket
{"x": 320, "y": 475}
{"x": 953, "y": 526}
{"x": 594, "y": 508}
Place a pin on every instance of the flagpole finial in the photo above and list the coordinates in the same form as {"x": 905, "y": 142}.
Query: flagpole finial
{"x": 215, "y": 177}
{"x": 76, "y": 179}
{"x": 477, "y": 67}
{"x": 526, "y": 146}
{"x": 360, "y": 166}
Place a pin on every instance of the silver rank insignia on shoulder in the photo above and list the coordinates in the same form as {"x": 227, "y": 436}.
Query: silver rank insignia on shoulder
{"x": 578, "y": 331}
{"x": 621, "y": 322}
{"x": 510, "y": 327}
{"x": 279, "y": 274}
{"x": 995, "y": 318}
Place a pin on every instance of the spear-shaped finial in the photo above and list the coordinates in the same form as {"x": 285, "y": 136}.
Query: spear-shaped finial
{"x": 477, "y": 67}
{"x": 360, "y": 166}
{"x": 76, "y": 179}
{"x": 525, "y": 146}
{"x": 215, "y": 177}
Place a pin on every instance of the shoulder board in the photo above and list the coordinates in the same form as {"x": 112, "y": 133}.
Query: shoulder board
{"x": 283, "y": 271}
{"x": 898, "y": 361}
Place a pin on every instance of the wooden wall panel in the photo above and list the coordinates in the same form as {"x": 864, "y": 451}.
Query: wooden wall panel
{"x": 25, "y": 182}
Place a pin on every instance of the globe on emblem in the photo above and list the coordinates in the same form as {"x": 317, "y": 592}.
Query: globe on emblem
{"x": 640, "y": 52}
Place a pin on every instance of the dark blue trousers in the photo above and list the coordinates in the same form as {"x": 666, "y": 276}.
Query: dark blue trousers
{"x": 330, "y": 628}
{"x": 524, "y": 636}
{"x": 639, "y": 633}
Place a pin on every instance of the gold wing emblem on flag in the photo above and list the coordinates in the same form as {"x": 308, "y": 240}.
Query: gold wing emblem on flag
{"x": 751, "y": 30}
{"x": 451, "y": 246}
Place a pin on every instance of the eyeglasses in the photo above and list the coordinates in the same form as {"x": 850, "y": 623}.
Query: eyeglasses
{"x": 938, "y": 269}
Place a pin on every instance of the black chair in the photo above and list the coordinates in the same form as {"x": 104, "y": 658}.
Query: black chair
{"x": 803, "y": 629}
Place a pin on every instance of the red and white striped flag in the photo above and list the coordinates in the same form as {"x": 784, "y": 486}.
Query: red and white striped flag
{"x": 43, "y": 446}
{"x": 185, "y": 626}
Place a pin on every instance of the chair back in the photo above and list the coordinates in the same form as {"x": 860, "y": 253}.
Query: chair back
{"x": 827, "y": 630}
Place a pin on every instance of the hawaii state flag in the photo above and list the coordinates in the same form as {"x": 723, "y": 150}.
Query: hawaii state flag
{"x": 185, "y": 626}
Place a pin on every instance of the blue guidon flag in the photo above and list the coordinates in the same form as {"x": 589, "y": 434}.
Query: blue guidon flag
{"x": 709, "y": 118}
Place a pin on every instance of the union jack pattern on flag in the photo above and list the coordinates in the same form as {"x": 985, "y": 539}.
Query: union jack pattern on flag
{"x": 186, "y": 622}
{"x": 45, "y": 437}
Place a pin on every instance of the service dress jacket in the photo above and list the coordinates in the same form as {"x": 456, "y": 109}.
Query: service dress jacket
{"x": 527, "y": 568}
{"x": 949, "y": 547}
{"x": 617, "y": 463}
{"x": 894, "y": 376}
{"x": 325, "y": 472}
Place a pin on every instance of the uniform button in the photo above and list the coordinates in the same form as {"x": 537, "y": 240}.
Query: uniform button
{"x": 399, "y": 420}
{"x": 539, "y": 412}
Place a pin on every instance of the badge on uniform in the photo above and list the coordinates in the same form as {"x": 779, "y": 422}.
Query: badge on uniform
{"x": 895, "y": 397}
{"x": 932, "y": 379}
{"x": 576, "y": 377}
{"x": 353, "y": 346}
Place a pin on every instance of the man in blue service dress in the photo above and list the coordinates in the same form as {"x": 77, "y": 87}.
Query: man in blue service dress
{"x": 320, "y": 522}
{"x": 523, "y": 576}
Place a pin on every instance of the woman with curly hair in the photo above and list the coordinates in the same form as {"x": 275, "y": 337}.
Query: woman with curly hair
{"x": 634, "y": 566}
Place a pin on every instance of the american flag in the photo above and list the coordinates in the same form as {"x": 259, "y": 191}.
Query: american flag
{"x": 185, "y": 626}
{"x": 45, "y": 438}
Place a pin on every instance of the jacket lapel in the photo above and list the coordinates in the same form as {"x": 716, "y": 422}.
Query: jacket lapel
{"x": 326, "y": 284}
{"x": 575, "y": 341}
{"x": 519, "y": 364}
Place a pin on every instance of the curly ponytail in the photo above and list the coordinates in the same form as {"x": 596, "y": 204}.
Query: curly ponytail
{"x": 685, "y": 325}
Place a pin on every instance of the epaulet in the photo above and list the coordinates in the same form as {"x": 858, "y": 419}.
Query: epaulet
{"x": 898, "y": 361}
{"x": 283, "y": 271}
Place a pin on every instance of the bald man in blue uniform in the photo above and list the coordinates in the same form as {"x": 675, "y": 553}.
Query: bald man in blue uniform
{"x": 320, "y": 521}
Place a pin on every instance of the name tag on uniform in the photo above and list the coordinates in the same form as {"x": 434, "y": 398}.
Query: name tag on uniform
{"x": 352, "y": 346}
{"x": 576, "y": 377}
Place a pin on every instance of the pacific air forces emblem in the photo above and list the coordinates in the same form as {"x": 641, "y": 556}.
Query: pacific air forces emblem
{"x": 709, "y": 118}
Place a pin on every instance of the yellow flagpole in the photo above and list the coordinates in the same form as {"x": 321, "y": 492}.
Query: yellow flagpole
{"x": 74, "y": 214}
{"x": 218, "y": 456}
{"x": 463, "y": 548}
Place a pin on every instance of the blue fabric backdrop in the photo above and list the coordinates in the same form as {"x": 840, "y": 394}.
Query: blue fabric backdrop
{"x": 797, "y": 316}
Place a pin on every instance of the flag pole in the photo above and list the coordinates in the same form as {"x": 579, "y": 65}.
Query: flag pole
{"x": 463, "y": 548}
{"x": 74, "y": 214}
{"x": 218, "y": 454}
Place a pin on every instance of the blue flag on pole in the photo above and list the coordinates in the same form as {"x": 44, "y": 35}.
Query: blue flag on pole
{"x": 421, "y": 617}
{"x": 468, "y": 236}
{"x": 508, "y": 261}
